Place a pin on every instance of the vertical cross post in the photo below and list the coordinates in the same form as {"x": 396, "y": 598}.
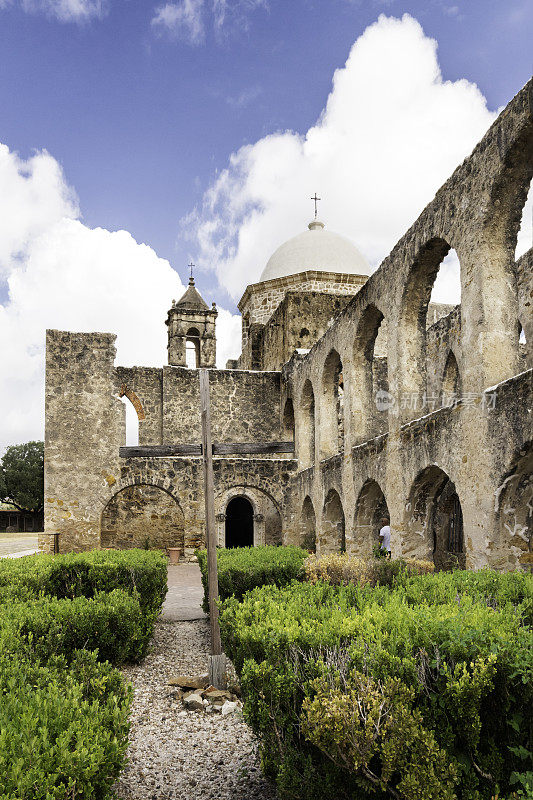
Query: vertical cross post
{"x": 217, "y": 660}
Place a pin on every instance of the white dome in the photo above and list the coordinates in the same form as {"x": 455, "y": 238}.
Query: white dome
{"x": 315, "y": 249}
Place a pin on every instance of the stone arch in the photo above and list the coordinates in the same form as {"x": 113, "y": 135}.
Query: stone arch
{"x": 433, "y": 528}
{"x": 267, "y": 522}
{"x": 308, "y": 526}
{"x": 192, "y": 348}
{"x": 369, "y": 410}
{"x": 412, "y": 369}
{"x": 450, "y": 387}
{"x": 142, "y": 515}
{"x": 333, "y": 533}
{"x": 370, "y": 509}
{"x": 332, "y": 406}
{"x": 288, "y": 421}
{"x": 306, "y": 426}
{"x": 514, "y": 512}
{"x": 125, "y": 391}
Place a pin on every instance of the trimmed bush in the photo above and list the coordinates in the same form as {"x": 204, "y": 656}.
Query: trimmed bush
{"x": 111, "y": 623}
{"x": 243, "y": 568}
{"x": 64, "y": 708}
{"x": 139, "y": 572}
{"x": 63, "y": 732}
{"x": 421, "y": 691}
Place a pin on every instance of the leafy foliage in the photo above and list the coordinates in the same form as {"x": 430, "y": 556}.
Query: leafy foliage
{"x": 423, "y": 690}
{"x": 22, "y": 476}
{"x": 243, "y": 568}
{"x": 64, "y": 709}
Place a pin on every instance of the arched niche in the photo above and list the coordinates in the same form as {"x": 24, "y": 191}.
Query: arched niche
{"x": 333, "y": 533}
{"x": 433, "y": 528}
{"x": 451, "y": 381}
{"x": 371, "y": 508}
{"x": 142, "y": 515}
{"x": 332, "y": 407}
{"x": 288, "y": 421}
{"x": 306, "y": 426}
{"x": 308, "y": 526}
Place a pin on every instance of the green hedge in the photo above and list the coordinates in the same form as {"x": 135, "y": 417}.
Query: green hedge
{"x": 425, "y": 690}
{"x": 63, "y": 731}
{"x": 64, "y": 708}
{"x": 139, "y": 572}
{"x": 243, "y": 568}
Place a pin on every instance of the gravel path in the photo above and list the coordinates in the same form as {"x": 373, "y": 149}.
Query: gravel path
{"x": 179, "y": 754}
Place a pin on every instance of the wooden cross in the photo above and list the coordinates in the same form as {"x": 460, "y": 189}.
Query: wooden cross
{"x": 217, "y": 660}
{"x": 316, "y": 199}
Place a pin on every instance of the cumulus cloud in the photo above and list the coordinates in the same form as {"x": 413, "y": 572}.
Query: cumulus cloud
{"x": 62, "y": 274}
{"x": 187, "y": 19}
{"x": 391, "y": 133}
{"x": 62, "y": 10}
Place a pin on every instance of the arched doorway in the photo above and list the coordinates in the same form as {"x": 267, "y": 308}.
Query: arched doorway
{"x": 434, "y": 523}
{"x": 370, "y": 510}
{"x": 515, "y": 512}
{"x": 239, "y": 523}
{"x": 308, "y": 526}
{"x": 333, "y": 536}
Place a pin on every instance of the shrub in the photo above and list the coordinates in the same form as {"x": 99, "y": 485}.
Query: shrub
{"x": 64, "y": 713}
{"x": 137, "y": 572}
{"x": 112, "y": 623}
{"x": 243, "y": 568}
{"x": 317, "y": 664}
{"x": 63, "y": 732}
{"x": 343, "y": 568}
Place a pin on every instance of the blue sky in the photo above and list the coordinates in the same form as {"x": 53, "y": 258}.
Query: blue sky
{"x": 141, "y": 119}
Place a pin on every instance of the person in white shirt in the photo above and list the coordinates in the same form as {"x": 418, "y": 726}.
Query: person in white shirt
{"x": 384, "y": 535}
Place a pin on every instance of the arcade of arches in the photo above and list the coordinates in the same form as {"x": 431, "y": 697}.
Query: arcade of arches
{"x": 358, "y": 394}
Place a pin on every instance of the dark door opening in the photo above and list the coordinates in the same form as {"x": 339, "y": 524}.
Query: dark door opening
{"x": 239, "y": 523}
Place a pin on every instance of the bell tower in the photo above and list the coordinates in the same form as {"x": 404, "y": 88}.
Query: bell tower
{"x": 191, "y": 331}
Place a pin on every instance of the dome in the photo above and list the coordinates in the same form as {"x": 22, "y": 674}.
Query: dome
{"x": 315, "y": 249}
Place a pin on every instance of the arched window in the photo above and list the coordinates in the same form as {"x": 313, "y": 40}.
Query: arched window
{"x": 192, "y": 348}
{"x": 370, "y": 385}
{"x": 239, "y": 523}
{"x": 134, "y": 412}
{"x": 306, "y": 427}
{"x": 435, "y": 276}
{"x": 333, "y": 535}
{"x": 288, "y": 422}
{"x": 332, "y": 407}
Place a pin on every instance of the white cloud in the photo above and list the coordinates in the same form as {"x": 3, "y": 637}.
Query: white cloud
{"x": 187, "y": 19}
{"x": 183, "y": 20}
{"x": 391, "y": 133}
{"x": 62, "y": 10}
{"x": 62, "y": 274}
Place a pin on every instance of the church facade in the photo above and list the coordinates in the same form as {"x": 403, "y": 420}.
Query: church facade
{"x": 354, "y": 397}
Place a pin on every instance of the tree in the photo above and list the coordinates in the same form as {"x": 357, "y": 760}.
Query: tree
{"x": 22, "y": 476}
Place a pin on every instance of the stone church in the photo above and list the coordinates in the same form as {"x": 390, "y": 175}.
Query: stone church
{"x": 354, "y": 397}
